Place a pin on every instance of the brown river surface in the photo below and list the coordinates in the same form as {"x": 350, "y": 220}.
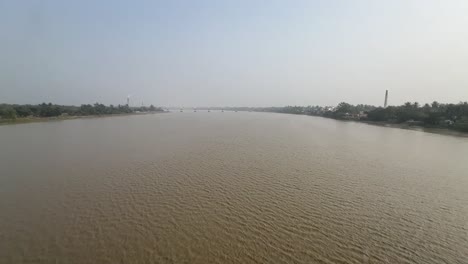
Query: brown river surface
{"x": 230, "y": 188}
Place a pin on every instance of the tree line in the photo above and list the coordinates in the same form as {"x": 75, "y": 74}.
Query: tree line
{"x": 13, "y": 111}
{"x": 429, "y": 115}
{"x": 453, "y": 116}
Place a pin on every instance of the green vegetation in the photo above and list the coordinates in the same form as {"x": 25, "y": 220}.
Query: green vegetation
{"x": 435, "y": 115}
{"x": 453, "y": 116}
{"x": 8, "y": 113}
{"x": 11, "y": 112}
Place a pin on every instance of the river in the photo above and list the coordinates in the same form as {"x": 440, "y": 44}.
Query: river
{"x": 227, "y": 187}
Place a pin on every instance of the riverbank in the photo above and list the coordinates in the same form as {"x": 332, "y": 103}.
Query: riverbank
{"x": 434, "y": 129}
{"x": 25, "y": 120}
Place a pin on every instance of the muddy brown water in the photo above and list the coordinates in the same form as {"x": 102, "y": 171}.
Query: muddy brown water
{"x": 230, "y": 188}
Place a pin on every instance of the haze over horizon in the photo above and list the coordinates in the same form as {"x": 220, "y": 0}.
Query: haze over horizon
{"x": 233, "y": 53}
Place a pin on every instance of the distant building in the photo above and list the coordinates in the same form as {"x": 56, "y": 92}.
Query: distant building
{"x": 448, "y": 122}
{"x": 412, "y": 122}
{"x": 362, "y": 115}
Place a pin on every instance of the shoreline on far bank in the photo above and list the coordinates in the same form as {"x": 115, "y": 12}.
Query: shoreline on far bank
{"x": 26, "y": 120}
{"x": 432, "y": 130}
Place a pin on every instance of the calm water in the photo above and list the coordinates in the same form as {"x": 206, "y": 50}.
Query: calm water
{"x": 230, "y": 188}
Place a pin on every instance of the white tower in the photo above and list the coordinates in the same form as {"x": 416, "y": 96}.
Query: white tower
{"x": 386, "y": 98}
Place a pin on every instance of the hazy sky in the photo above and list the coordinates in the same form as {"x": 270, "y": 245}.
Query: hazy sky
{"x": 233, "y": 53}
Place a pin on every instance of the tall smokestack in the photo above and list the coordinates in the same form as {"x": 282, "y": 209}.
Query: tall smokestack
{"x": 386, "y": 98}
{"x": 128, "y": 100}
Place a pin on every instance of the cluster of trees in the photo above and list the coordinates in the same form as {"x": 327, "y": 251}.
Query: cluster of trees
{"x": 8, "y": 111}
{"x": 435, "y": 114}
{"x": 342, "y": 110}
